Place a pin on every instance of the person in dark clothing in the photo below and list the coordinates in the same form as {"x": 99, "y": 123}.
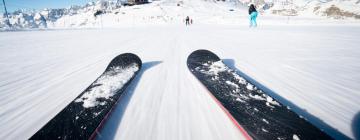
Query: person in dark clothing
{"x": 253, "y": 15}
{"x": 187, "y": 20}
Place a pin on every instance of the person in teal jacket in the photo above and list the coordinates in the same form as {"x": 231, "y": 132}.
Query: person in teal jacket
{"x": 253, "y": 15}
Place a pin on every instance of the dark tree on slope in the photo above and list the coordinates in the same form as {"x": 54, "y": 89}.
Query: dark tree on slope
{"x": 133, "y": 2}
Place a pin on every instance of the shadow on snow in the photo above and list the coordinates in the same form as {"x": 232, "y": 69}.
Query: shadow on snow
{"x": 356, "y": 126}
{"x": 312, "y": 119}
{"x": 110, "y": 127}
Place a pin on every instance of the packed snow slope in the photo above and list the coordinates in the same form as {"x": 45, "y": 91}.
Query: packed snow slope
{"x": 314, "y": 67}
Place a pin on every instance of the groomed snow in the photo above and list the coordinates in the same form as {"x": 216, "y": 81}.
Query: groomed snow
{"x": 314, "y": 67}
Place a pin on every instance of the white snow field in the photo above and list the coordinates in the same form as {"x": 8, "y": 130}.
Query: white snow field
{"x": 314, "y": 67}
{"x": 308, "y": 63}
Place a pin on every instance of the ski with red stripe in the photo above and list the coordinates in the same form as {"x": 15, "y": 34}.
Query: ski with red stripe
{"x": 256, "y": 112}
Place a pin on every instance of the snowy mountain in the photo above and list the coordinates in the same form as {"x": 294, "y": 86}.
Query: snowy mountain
{"x": 50, "y": 17}
{"x": 88, "y": 15}
{"x": 336, "y": 9}
{"x": 166, "y": 11}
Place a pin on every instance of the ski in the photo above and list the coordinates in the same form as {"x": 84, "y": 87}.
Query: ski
{"x": 259, "y": 114}
{"x": 85, "y": 115}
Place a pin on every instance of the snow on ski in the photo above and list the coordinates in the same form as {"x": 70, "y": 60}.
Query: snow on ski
{"x": 259, "y": 114}
{"x": 82, "y": 118}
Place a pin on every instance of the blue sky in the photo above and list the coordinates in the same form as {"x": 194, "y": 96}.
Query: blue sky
{"x": 39, "y": 4}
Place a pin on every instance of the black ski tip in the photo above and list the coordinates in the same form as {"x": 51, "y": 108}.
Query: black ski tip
{"x": 200, "y": 57}
{"x": 78, "y": 122}
{"x": 124, "y": 60}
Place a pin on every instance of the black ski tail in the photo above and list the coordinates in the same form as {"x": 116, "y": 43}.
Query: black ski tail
{"x": 262, "y": 116}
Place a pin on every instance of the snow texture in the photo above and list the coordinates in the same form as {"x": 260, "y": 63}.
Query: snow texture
{"x": 314, "y": 67}
{"x": 295, "y": 137}
{"x": 108, "y": 84}
{"x": 311, "y": 62}
{"x": 219, "y": 66}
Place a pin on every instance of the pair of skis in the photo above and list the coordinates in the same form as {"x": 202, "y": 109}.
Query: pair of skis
{"x": 261, "y": 116}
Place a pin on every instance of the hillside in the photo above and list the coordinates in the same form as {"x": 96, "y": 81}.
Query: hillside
{"x": 111, "y": 14}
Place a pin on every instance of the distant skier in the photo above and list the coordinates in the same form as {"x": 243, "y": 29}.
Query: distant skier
{"x": 253, "y": 15}
{"x": 187, "y": 20}
{"x": 191, "y": 21}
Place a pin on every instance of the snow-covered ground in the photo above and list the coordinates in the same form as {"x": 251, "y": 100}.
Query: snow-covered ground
{"x": 315, "y": 68}
{"x": 310, "y": 63}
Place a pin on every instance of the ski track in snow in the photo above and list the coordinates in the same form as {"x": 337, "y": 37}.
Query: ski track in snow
{"x": 314, "y": 67}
